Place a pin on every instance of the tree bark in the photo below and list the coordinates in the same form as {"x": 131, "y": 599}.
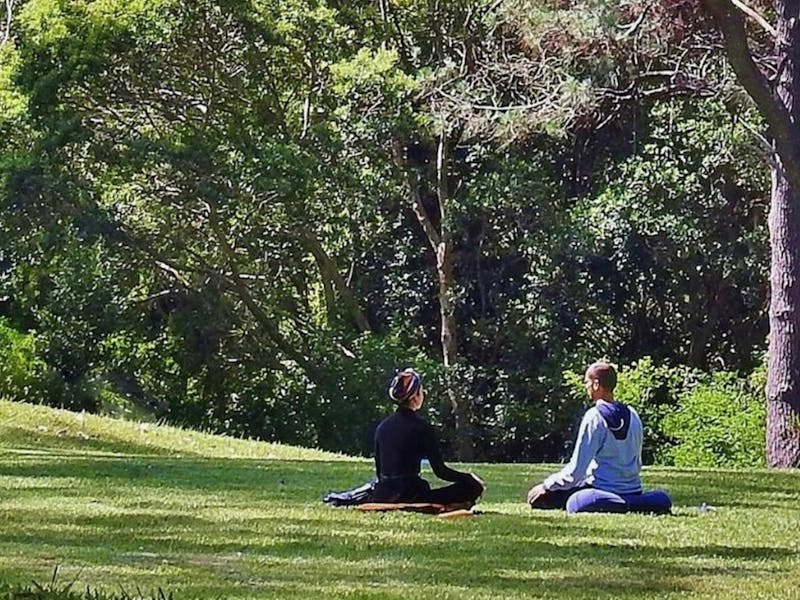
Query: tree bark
{"x": 783, "y": 375}
{"x": 781, "y": 110}
{"x": 781, "y": 120}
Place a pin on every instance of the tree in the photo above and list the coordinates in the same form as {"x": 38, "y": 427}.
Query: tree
{"x": 287, "y": 199}
{"x": 778, "y": 100}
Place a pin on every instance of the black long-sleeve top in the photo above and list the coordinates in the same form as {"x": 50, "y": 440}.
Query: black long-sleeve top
{"x": 402, "y": 440}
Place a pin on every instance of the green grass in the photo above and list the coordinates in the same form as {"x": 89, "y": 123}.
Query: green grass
{"x": 117, "y": 505}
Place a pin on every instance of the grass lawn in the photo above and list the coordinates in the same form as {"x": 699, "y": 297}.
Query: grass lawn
{"x": 115, "y": 504}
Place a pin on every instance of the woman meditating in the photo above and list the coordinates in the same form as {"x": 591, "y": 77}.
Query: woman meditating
{"x": 402, "y": 440}
{"x": 603, "y": 475}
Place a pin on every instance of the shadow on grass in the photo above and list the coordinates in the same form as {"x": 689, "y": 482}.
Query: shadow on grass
{"x": 295, "y": 555}
{"x": 68, "y": 440}
{"x": 309, "y": 479}
{"x": 517, "y": 539}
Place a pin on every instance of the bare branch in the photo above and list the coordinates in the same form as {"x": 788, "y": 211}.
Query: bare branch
{"x": 766, "y": 147}
{"x": 417, "y": 206}
{"x": 631, "y": 28}
{"x": 9, "y": 17}
{"x": 775, "y": 113}
{"x": 173, "y": 271}
{"x": 750, "y": 12}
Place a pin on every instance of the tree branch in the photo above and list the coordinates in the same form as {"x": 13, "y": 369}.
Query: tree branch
{"x": 330, "y": 275}
{"x": 783, "y": 131}
{"x": 9, "y": 17}
{"x": 750, "y": 12}
{"x": 434, "y": 239}
{"x": 259, "y": 314}
{"x": 631, "y": 28}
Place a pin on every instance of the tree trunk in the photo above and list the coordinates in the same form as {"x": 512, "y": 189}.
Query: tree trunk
{"x": 445, "y": 262}
{"x": 783, "y": 380}
{"x": 458, "y": 406}
{"x": 781, "y": 111}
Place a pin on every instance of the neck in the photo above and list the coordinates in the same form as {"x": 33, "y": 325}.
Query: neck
{"x": 607, "y": 397}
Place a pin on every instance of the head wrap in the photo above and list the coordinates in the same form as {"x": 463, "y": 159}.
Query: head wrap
{"x": 404, "y": 385}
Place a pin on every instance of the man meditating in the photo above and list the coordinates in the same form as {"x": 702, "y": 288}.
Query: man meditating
{"x": 402, "y": 440}
{"x": 603, "y": 474}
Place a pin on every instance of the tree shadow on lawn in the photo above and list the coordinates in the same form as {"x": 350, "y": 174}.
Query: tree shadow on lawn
{"x": 297, "y": 559}
{"x": 509, "y": 553}
{"x": 285, "y": 479}
{"x": 499, "y": 543}
{"x": 70, "y": 440}
{"x": 746, "y": 489}
{"x": 308, "y": 480}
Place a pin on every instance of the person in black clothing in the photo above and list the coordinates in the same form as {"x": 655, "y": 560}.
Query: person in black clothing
{"x": 402, "y": 440}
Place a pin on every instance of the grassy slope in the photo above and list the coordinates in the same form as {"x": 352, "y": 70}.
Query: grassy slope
{"x": 116, "y": 505}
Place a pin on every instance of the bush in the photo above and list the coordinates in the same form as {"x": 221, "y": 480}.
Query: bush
{"x": 23, "y": 375}
{"x": 720, "y": 423}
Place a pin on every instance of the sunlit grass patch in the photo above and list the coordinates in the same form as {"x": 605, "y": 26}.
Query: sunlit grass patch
{"x": 222, "y": 518}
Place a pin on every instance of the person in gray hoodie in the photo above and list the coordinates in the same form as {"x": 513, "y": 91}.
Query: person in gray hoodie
{"x": 603, "y": 474}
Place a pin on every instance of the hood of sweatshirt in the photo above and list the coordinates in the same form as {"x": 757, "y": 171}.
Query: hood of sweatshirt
{"x": 617, "y": 416}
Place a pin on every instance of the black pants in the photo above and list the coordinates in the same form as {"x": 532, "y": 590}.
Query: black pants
{"x": 416, "y": 489}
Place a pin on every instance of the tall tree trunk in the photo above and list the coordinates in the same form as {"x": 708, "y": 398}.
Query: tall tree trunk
{"x": 780, "y": 108}
{"x": 783, "y": 379}
{"x": 445, "y": 263}
{"x": 783, "y": 374}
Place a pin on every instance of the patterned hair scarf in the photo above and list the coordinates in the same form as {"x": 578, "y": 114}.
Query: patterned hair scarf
{"x": 404, "y": 385}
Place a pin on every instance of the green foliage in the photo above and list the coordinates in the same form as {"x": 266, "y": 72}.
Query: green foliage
{"x": 207, "y": 211}
{"x": 340, "y": 409}
{"x": 674, "y": 241}
{"x": 12, "y": 101}
{"x": 653, "y": 390}
{"x": 23, "y": 374}
{"x": 720, "y": 423}
{"x": 370, "y": 71}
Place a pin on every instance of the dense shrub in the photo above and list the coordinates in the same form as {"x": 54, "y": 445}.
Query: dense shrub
{"x": 719, "y": 423}
{"x": 23, "y": 375}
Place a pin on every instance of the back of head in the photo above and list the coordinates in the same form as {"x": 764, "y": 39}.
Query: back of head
{"x": 604, "y": 373}
{"x": 404, "y": 386}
